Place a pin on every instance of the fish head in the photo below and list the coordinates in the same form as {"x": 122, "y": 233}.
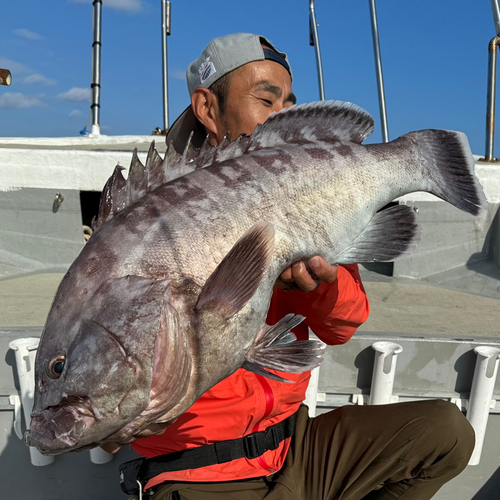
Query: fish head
{"x": 94, "y": 375}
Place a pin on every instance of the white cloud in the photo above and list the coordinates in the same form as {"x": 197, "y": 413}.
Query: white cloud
{"x": 128, "y": 5}
{"x": 30, "y": 35}
{"x": 39, "y": 78}
{"x": 75, "y": 94}
{"x": 18, "y": 100}
{"x": 76, "y": 113}
{"x": 14, "y": 67}
{"x": 178, "y": 74}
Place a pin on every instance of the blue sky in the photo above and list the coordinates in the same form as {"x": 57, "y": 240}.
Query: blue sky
{"x": 434, "y": 55}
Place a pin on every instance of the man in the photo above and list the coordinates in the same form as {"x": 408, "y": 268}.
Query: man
{"x": 397, "y": 451}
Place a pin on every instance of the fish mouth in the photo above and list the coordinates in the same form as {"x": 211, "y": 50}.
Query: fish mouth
{"x": 58, "y": 429}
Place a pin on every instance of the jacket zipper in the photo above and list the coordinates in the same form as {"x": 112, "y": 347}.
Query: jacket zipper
{"x": 269, "y": 399}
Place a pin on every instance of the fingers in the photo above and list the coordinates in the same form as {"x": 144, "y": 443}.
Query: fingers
{"x": 324, "y": 271}
{"x": 297, "y": 276}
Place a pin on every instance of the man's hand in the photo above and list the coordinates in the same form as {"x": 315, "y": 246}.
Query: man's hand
{"x": 298, "y": 276}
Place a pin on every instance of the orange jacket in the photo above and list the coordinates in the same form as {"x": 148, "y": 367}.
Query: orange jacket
{"x": 245, "y": 402}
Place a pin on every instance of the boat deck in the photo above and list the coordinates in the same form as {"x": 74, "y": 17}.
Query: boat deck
{"x": 397, "y": 305}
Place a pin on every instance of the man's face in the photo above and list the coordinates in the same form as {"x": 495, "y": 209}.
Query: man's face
{"x": 256, "y": 90}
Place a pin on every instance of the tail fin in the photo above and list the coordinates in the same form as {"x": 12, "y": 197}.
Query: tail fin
{"x": 449, "y": 167}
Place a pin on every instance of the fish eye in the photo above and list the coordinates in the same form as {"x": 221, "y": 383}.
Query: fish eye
{"x": 56, "y": 366}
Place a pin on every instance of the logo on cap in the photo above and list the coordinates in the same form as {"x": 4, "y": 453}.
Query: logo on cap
{"x": 206, "y": 69}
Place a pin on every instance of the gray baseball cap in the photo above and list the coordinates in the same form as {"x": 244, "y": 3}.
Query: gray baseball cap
{"x": 220, "y": 57}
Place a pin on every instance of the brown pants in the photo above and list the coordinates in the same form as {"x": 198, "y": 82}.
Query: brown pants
{"x": 403, "y": 450}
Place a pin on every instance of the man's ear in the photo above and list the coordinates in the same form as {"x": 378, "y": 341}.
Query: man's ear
{"x": 206, "y": 109}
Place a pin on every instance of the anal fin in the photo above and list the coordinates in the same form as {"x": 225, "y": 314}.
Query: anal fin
{"x": 276, "y": 348}
{"x": 391, "y": 233}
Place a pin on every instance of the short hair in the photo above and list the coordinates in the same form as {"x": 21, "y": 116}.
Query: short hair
{"x": 221, "y": 90}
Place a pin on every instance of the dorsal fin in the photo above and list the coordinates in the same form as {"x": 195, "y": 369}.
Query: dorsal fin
{"x": 154, "y": 168}
{"x": 330, "y": 121}
{"x": 113, "y": 198}
{"x": 137, "y": 181}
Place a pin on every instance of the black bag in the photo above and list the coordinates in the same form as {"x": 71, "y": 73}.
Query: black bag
{"x": 129, "y": 476}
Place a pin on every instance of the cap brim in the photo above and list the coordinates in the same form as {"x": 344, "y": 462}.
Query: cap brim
{"x": 178, "y": 134}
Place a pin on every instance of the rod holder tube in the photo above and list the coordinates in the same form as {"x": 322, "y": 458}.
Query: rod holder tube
{"x": 99, "y": 456}
{"x": 96, "y": 69}
{"x": 5, "y": 77}
{"x": 25, "y": 350}
{"x": 491, "y": 97}
{"x": 313, "y": 31}
{"x": 378, "y": 71}
{"x": 312, "y": 392}
{"x": 481, "y": 395}
{"x": 384, "y": 371}
{"x": 165, "y": 32}
{"x": 312, "y": 389}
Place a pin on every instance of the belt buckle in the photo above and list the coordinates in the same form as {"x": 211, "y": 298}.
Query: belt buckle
{"x": 252, "y": 444}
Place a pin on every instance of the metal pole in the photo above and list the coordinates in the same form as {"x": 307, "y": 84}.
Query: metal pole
{"x": 5, "y": 77}
{"x": 491, "y": 97}
{"x": 496, "y": 15}
{"x": 165, "y": 32}
{"x": 378, "y": 69}
{"x": 96, "y": 69}
{"x": 314, "y": 40}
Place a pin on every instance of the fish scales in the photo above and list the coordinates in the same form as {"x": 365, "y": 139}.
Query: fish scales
{"x": 170, "y": 294}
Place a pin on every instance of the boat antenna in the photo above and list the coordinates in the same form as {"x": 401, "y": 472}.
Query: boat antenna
{"x": 492, "y": 84}
{"x": 165, "y": 33}
{"x": 378, "y": 71}
{"x": 96, "y": 68}
{"x": 314, "y": 41}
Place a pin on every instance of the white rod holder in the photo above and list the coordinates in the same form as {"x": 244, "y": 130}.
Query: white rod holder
{"x": 312, "y": 389}
{"x": 99, "y": 456}
{"x": 384, "y": 370}
{"x": 312, "y": 392}
{"x": 25, "y": 350}
{"x": 481, "y": 395}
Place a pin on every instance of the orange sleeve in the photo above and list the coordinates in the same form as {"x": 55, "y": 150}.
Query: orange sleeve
{"x": 333, "y": 311}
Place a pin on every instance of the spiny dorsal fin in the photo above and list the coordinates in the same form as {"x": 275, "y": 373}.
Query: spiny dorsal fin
{"x": 113, "y": 198}
{"x": 154, "y": 168}
{"x": 137, "y": 181}
{"x": 119, "y": 193}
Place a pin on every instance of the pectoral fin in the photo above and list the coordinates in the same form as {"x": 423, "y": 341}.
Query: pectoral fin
{"x": 276, "y": 348}
{"x": 238, "y": 276}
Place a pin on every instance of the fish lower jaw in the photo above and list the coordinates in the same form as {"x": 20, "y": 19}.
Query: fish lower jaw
{"x": 56, "y": 432}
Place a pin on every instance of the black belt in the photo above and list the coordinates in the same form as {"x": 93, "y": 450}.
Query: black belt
{"x": 252, "y": 446}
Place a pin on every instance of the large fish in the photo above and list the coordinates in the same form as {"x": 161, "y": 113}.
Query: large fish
{"x": 170, "y": 294}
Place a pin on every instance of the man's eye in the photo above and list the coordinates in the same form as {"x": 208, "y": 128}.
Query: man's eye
{"x": 267, "y": 102}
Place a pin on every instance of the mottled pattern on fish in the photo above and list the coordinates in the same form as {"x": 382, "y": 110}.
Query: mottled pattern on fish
{"x": 203, "y": 250}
